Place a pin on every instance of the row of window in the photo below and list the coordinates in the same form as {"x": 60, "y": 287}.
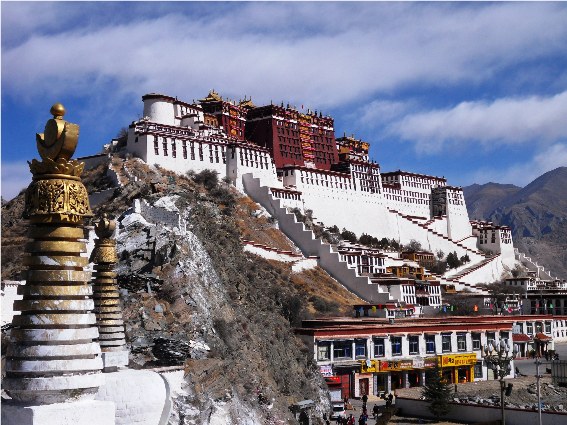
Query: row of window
{"x": 343, "y": 349}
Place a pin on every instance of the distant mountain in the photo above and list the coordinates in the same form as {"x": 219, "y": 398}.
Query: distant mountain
{"x": 482, "y": 199}
{"x": 536, "y": 213}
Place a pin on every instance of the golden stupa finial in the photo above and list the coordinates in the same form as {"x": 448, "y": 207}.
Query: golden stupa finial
{"x": 105, "y": 227}
{"x": 60, "y": 138}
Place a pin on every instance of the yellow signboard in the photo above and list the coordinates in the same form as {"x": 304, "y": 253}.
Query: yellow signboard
{"x": 452, "y": 360}
{"x": 368, "y": 366}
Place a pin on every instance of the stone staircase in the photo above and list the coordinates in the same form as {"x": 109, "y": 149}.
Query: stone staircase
{"x": 456, "y": 278}
{"x": 533, "y": 265}
{"x": 311, "y": 246}
{"x": 425, "y": 225}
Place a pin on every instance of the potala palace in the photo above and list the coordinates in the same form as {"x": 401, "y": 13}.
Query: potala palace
{"x": 285, "y": 159}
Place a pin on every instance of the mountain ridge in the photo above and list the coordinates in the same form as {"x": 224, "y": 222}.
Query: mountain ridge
{"x": 537, "y": 214}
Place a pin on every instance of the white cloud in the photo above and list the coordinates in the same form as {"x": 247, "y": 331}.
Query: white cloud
{"x": 15, "y": 177}
{"x": 324, "y": 53}
{"x": 522, "y": 174}
{"x": 379, "y": 112}
{"x": 511, "y": 121}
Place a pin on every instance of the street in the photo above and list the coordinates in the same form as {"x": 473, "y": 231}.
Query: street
{"x": 528, "y": 367}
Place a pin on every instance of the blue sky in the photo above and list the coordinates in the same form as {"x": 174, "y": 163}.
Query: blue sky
{"x": 475, "y": 92}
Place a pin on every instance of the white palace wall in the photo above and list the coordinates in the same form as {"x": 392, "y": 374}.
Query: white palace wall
{"x": 247, "y": 159}
{"x": 331, "y": 196}
{"x": 395, "y": 205}
{"x": 458, "y": 224}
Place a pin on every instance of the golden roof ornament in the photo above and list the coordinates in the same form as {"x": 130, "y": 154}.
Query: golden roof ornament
{"x": 60, "y": 137}
{"x": 56, "y": 192}
{"x": 104, "y": 251}
{"x": 105, "y": 227}
{"x": 213, "y": 96}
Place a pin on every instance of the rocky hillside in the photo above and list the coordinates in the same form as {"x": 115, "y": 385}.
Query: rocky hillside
{"x": 481, "y": 199}
{"x": 536, "y": 213}
{"x": 192, "y": 296}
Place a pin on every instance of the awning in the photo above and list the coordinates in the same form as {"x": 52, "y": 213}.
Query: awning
{"x": 521, "y": 338}
{"x": 543, "y": 337}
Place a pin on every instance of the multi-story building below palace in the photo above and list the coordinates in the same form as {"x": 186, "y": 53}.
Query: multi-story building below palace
{"x": 367, "y": 355}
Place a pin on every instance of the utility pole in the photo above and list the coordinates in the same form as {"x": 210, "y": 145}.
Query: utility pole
{"x": 538, "y": 377}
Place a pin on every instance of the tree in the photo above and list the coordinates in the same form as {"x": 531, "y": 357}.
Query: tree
{"x": 453, "y": 260}
{"x": 334, "y": 229}
{"x": 413, "y": 246}
{"x": 347, "y": 235}
{"x": 437, "y": 393}
{"x": 366, "y": 239}
{"x": 395, "y": 245}
{"x": 500, "y": 293}
{"x": 384, "y": 243}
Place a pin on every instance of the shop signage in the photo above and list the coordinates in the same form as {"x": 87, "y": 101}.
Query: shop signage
{"x": 333, "y": 379}
{"x": 326, "y": 370}
{"x": 369, "y": 366}
{"x": 430, "y": 362}
{"x": 458, "y": 360}
{"x": 422, "y": 363}
{"x": 396, "y": 365}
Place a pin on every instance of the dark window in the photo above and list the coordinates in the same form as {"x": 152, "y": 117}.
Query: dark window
{"x": 461, "y": 342}
{"x": 476, "y": 342}
{"x": 478, "y": 370}
{"x": 342, "y": 349}
{"x": 379, "y": 347}
{"x": 396, "y": 345}
{"x": 360, "y": 348}
{"x": 490, "y": 338}
{"x": 323, "y": 350}
{"x": 446, "y": 343}
{"x": 413, "y": 344}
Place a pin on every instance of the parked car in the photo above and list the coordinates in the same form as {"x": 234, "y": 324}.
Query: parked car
{"x": 338, "y": 410}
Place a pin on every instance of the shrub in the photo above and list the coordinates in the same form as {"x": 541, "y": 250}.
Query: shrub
{"x": 208, "y": 178}
{"x": 322, "y": 305}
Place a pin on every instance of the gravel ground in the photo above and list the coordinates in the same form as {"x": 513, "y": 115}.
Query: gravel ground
{"x": 523, "y": 394}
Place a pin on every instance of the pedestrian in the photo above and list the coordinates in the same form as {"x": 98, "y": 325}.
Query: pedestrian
{"x": 350, "y": 420}
{"x": 389, "y": 400}
{"x": 375, "y": 411}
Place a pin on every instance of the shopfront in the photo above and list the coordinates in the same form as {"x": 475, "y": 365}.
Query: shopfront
{"x": 398, "y": 372}
{"x": 377, "y": 382}
{"x": 346, "y": 373}
{"x": 416, "y": 376}
{"x": 458, "y": 368}
{"x": 333, "y": 382}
